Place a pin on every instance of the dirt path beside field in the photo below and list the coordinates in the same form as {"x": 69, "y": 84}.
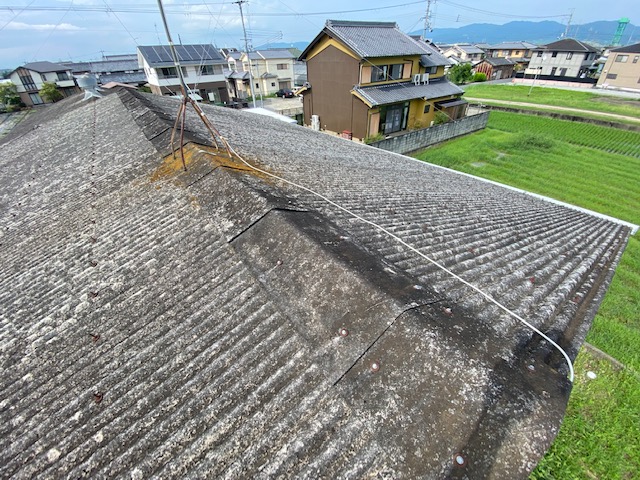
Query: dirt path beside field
{"x": 554, "y": 108}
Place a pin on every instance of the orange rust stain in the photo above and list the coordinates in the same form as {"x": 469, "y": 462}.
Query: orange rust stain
{"x": 194, "y": 154}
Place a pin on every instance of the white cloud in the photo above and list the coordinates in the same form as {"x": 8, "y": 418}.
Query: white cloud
{"x": 42, "y": 27}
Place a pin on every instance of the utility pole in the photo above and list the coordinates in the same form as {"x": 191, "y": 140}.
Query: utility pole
{"x": 246, "y": 47}
{"x": 566, "y": 30}
{"x": 427, "y": 20}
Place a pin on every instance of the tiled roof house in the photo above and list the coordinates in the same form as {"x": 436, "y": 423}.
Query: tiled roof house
{"x": 369, "y": 78}
{"x": 223, "y": 323}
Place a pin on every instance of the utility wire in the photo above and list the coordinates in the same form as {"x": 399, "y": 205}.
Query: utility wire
{"x": 413, "y": 249}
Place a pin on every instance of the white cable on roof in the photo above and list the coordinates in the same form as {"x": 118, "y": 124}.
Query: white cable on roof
{"x": 412, "y": 248}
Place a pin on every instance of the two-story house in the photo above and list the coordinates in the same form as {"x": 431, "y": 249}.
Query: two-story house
{"x": 463, "y": 52}
{"x": 31, "y": 77}
{"x": 369, "y": 77}
{"x": 519, "y": 52}
{"x": 112, "y": 68}
{"x": 565, "y": 58}
{"x": 270, "y": 70}
{"x": 202, "y": 67}
{"x": 622, "y": 69}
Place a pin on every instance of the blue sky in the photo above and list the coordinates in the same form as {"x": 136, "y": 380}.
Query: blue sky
{"x": 82, "y": 30}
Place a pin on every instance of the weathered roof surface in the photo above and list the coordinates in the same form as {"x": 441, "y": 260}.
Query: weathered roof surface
{"x": 104, "y": 66}
{"x": 635, "y": 48}
{"x": 137, "y": 77}
{"x": 160, "y": 55}
{"x": 371, "y": 39}
{"x": 44, "y": 67}
{"x": 568, "y": 45}
{"x": 403, "y": 91}
{"x": 221, "y": 324}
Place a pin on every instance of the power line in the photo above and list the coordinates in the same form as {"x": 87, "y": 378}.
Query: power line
{"x": 180, "y": 9}
{"x": 498, "y": 14}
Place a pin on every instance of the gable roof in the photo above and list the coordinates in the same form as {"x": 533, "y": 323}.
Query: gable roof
{"x": 44, "y": 67}
{"x": 223, "y": 323}
{"x": 568, "y": 45}
{"x": 512, "y": 46}
{"x": 370, "y": 39}
{"x": 160, "y": 55}
{"x": 499, "y": 61}
{"x": 401, "y": 92}
{"x": 468, "y": 48}
{"x": 634, "y": 48}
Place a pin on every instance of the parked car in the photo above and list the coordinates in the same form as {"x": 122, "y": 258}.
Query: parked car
{"x": 284, "y": 93}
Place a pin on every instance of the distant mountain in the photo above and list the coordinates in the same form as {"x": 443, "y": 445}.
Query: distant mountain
{"x": 598, "y": 33}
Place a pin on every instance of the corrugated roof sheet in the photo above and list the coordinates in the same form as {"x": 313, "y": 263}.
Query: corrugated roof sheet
{"x": 404, "y": 91}
{"x": 160, "y": 55}
{"x": 221, "y": 324}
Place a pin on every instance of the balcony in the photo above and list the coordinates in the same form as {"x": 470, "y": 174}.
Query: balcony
{"x": 65, "y": 83}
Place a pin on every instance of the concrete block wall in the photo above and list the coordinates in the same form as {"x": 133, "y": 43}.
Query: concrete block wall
{"x": 419, "y": 139}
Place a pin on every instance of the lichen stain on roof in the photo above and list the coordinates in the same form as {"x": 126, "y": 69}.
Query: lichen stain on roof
{"x": 233, "y": 326}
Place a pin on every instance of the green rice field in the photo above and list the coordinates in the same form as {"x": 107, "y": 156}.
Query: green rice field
{"x": 596, "y": 168}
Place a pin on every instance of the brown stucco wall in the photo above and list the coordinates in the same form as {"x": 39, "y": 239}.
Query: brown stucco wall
{"x": 332, "y": 75}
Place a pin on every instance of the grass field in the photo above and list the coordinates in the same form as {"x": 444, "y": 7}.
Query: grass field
{"x": 596, "y": 168}
{"x": 556, "y": 97}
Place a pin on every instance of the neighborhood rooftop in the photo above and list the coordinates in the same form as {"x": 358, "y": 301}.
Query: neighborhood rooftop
{"x": 160, "y": 55}
{"x": 568, "y": 45}
{"x": 224, "y": 323}
{"x": 401, "y": 92}
{"x": 374, "y": 39}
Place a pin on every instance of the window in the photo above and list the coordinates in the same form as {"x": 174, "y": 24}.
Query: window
{"x": 586, "y": 56}
{"x": 382, "y": 73}
{"x": 431, "y": 70}
{"x": 282, "y": 66}
{"x": 517, "y": 52}
{"x": 622, "y": 58}
{"x": 210, "y": 70}
{"x": 273, "y": 84}
{"x": 612, "y": 76}
{"x": 553, "y": 70}
{"x": 257, "y": 85}
{"x": 554, "y": 54}
{"x": 427, "y": 108}
{"x": 563, "y": 72}
{"x": 569, "y": 55}
{"x": 635, "y": 59}
{"x": 62, "y": 76}
{"x": 27, "y": 81}
{"x": 395, "y": 73}
{"x": 379, "y": 74}
{"x": 35, "y": 99}
{"x": 539, "y": 53}
{"x": 168, "y": 72}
